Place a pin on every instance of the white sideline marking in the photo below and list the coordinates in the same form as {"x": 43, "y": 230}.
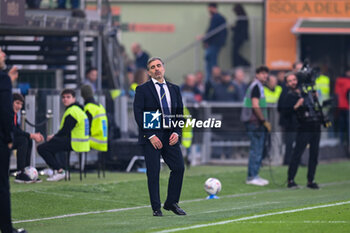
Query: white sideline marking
{"x": 81, "y": 214}
{"x": 289, "y": 222}
{"x": 147, "y": 206}
{"x": 252, "y": 217}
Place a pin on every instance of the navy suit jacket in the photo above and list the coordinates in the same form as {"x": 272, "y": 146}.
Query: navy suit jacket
{"x": 146, "y": 99}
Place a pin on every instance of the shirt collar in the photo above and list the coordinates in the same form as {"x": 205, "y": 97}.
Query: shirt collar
{"x": 155, "y": 81}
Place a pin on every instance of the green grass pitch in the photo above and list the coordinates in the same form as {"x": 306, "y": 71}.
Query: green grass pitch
{"x": 120, "y": 203}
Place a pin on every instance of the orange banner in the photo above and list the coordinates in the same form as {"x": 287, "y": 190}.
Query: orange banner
{"x": 281, "y": 16}
{"x": 141, "y": 27}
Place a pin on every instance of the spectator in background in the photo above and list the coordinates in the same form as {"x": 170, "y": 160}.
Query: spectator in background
{"x": 215, "y": 42}
{"x": 297, "y": 66}
{"x": 62, "y": 4}
{"x": 212, "y": 82}
{"x": 141, "y": 57}
{"x": 189, "y": 91}
{"x": 91, "y": 78}
{"x": 240, "y": 35}
{"x": 238, "y": 80}
{"x": 141, "y": 76}
{"x": 226, "y": 90}
{"x": 272, "y": 90}
{"x": 22, "y": 141}
{"x": 342, "y": 93}
{"x": 200, "y": 82}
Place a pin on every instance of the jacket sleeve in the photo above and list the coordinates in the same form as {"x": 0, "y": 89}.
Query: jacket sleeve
{"x": 17, "y": 132}
{"x": 67, "y": 128}
{"x": 6, "y": 109}
{"x": 139, "y": 108}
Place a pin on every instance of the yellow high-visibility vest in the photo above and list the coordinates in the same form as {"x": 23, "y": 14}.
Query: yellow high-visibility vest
{"x": 272, "y": 96}
{"x": 187, "y": 133}
{"x": 99, "y": 126}
{"x": 80, "y": 132}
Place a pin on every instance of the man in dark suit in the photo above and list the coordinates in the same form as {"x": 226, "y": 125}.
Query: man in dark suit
{"x": 6, "y": 141}
{"x": 153, "y": 97}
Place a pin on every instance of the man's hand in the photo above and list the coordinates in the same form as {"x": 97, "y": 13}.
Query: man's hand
{"x": 49, "y": 137}
{"x": 156, "y": 143}
{"x": 267, "y": 125}
{"x": 13, "y": 73}
{"x": 37, "y": 137}
{"x": 173, "y": 139}
{"x": 299, "y": 103}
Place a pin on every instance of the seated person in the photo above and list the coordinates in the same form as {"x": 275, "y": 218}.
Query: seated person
{"x": 96, "y": 114}
{"x": 22, "y": 142}
{"x": 73, "y": 135}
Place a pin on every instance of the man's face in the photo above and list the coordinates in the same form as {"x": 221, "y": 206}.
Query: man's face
{"x": 156, "y": 70}
{"x": 190, "y": 80}
{"x": 272, "y": 81}
{"x": 292, "y": 81}
{"x": 212, "y": 10}
{"x": 262, "y": 76}
{"x": 17, "y": 105}
{"x": 239, "y": 76}
{"x": 67, "y": 99}
{"x": 2, "y": 59}
{"x": 92, "y": 75}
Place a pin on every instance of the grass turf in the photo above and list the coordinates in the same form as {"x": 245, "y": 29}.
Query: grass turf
{"x": 123, "y": 190}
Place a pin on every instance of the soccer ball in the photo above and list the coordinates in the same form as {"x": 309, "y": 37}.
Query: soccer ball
{"x": 212, "y": 186}
{"x": 31, "y": 172}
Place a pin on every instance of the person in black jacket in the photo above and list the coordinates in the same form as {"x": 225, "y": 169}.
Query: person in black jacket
{"x": 308, "y": 132}
{"x": 22, "y": 142}
{"x": 6, "y": 141}
{"x": 152, "y": 99}
{"x": 215, "y": 42}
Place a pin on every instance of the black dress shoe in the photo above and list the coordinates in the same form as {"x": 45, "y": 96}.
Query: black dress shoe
{"x": 175, "y": 208}
{"x": 312, "y": 185}
{"x": 157, "y": 213}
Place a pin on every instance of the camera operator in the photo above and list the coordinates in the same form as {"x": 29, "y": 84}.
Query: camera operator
{"x": 308, "y": 130}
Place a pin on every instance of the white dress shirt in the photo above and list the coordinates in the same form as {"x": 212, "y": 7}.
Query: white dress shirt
{"x": 167, "y": 93}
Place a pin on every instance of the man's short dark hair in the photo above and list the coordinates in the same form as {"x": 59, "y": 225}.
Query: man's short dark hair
{"x": 67, "y": 92}
{"x": 261, "y": 69}
{"x": 288, "y": 74}
{"x": 17, "y": 96}
{"x": 90, "y": 69}
{"x": 213, "y": 4}
{"x": 154, "y": 59}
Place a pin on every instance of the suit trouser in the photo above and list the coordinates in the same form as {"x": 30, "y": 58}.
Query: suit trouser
{"x": 306, "y": 135}
{"x": 173, "y": 158}
{"x": 48, "y": 151}
{"x": 5, "y": 204}
{"x": 24, "y": 146}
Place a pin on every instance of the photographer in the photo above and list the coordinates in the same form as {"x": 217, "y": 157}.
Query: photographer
{"x": 303, "y": 104}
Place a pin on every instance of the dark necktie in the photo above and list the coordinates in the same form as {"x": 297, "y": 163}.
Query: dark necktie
{"x": 165, "y": 106}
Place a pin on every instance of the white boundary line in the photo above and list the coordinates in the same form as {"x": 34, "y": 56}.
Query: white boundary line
{"x": 252, "y": 217}
{"x": 147, "y": 206}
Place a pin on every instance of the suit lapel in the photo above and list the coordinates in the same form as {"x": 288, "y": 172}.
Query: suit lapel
{"x": 154, "y": 92}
